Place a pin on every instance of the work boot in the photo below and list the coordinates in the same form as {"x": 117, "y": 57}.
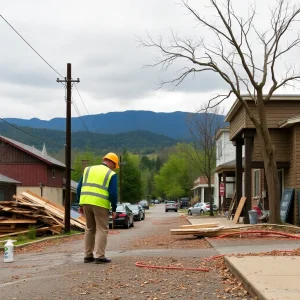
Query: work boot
{"x": 103, "y": 260}
{"x": 89, "y": 259}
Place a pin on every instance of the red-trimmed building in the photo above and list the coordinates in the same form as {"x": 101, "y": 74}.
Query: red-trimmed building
{"x": 32, "y": 169}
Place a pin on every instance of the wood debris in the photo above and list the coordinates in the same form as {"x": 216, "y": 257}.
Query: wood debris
{"x": 203, "y": 230}
{"x": 29, "y": 209}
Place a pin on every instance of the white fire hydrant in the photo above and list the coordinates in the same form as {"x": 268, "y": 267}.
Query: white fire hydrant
{"x": 9, "y": 251}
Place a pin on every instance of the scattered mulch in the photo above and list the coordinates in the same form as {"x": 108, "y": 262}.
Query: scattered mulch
{"x": 167, "y": 241}
{"x": 161, "y": 284}
{"x": 40, "y": 246}
{"x": 295, "y": 252}
{"x": 162, "y": 238}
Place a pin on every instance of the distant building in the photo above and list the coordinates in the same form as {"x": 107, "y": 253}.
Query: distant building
{"x": 225, "y": 167}
{"x": 201, "y": 191}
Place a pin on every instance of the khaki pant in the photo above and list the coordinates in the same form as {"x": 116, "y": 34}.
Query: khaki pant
{"x": 96, "y": 230}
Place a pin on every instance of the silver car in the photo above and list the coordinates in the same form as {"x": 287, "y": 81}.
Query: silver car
{"x": 171, "y": 205}
{"x": 198, "y": 208}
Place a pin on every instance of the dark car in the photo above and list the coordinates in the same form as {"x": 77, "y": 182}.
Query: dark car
{"x": 144, "y": 204}
{"x": 184, "y": 202}
{"x": 138, "y": 212}
{"x": 123, "y": 218}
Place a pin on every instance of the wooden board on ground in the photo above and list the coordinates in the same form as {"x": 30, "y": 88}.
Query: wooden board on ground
{"x": 218, "y": 233}
{"x": 208, "y": 225}
{"x": 17, "y": 221}
{"x": 197, "y": 231}
{"x": 55, "y": 227}
{"x": 239, "y": 210}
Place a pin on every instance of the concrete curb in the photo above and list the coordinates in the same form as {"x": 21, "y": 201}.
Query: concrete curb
{"x": 44, "y": 240}
{"x": 250, "y": 288}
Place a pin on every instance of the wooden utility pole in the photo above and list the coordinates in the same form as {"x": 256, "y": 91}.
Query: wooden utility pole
{"x": 121, "y": 198}
{"x": 68, "y": 81}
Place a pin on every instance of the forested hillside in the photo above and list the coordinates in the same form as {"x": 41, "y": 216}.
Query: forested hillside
{"x": 141, "y": 142}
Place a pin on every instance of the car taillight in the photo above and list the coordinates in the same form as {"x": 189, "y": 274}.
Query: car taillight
{"x": 207, "y": 206}
{"x": 121, "y": 215}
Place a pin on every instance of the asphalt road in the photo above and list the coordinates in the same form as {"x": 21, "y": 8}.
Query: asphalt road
{"x": 58, "y": 271}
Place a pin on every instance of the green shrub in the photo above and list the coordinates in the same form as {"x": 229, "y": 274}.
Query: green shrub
{"x": 31, "y": 233}
{"x": 21, "y": 237}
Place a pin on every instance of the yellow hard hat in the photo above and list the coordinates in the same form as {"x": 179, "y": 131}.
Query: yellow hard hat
{"x": 113, "y": 157}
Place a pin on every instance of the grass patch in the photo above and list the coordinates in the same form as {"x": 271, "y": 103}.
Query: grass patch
{"x": 31, "y": 236}
{"x": 183, "y": 211}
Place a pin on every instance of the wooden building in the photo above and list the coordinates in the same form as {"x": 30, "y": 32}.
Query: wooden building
{"x": 34, "y": 169}
{"x": 283, "y": 119}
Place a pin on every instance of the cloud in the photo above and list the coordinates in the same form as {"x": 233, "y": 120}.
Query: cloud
{"x": 99, "y": 38}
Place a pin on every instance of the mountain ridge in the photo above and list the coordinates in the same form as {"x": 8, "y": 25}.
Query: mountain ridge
{"x": 173, "y": 125}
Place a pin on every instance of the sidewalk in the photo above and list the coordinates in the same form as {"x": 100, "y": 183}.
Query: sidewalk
{"x": 265, "y": 277}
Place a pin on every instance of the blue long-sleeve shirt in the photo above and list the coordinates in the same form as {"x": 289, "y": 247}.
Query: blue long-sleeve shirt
{"x": 112, "y": 191}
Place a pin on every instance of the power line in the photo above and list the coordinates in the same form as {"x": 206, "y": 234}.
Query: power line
{"x": 30, "y": 46}
{"x": 81, "y": 99}
{"x": 78, "y": 112}
{"x": 80, "y": 117}
{"x": 36, "y": 137}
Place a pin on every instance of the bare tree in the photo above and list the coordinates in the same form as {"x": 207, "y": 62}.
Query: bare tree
{"x": 201, "y": 153}
{"x": 233, "y": 59}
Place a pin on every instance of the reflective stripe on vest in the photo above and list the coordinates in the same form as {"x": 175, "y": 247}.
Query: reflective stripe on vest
{"x": 95, "y": 184}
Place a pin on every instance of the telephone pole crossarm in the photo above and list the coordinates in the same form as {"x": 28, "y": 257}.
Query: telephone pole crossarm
{"x": 66, "y": 80}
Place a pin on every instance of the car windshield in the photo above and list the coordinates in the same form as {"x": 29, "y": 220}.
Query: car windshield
{"x": 170, "y": 202}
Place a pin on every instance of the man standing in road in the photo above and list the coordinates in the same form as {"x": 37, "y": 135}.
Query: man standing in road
{"x": 97, "y": 192}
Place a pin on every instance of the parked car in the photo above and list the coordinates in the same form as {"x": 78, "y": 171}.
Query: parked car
{"x": 171, "y": 205}
{"x": 124, "y": 217}
{"x": 138, "y": 212}
{"x": 198, "y": 208}
{"x": 144, "y": 204}
{"x": 184, "y": 202}
{"x": 156, "y": 201}
{"x": 215, "y": 207}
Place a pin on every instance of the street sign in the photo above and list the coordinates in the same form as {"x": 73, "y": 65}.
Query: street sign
{"x": 222, "y": 189}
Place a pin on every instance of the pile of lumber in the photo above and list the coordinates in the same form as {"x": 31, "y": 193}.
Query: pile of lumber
{"x": 29, "y": 209}
{"x": 203, "y": 230}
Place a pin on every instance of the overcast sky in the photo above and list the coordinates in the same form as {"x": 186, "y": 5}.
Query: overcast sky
{"x": 100, "y": 39}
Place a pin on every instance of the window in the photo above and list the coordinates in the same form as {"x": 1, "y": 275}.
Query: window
{"x": 256, "y": 183}
{"x": 53, "y": 173}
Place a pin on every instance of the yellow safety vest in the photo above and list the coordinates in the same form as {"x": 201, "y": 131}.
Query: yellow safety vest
{"x": 95, "y": 184}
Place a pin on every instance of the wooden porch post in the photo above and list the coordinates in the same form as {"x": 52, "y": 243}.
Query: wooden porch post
{"x": 224, "y": 182}
{"x": 239, "y": 169}
{"x": 248, "y": 176}
{"x": 220, "y": 199}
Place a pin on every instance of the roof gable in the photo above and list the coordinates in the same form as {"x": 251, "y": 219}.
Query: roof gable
{"x": 237, "y": 104}
{"x": 34, "y": 152}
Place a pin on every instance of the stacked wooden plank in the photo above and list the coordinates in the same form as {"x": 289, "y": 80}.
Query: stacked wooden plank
{"x": 30, "y": 209}
{"x": 202, "y": 230}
